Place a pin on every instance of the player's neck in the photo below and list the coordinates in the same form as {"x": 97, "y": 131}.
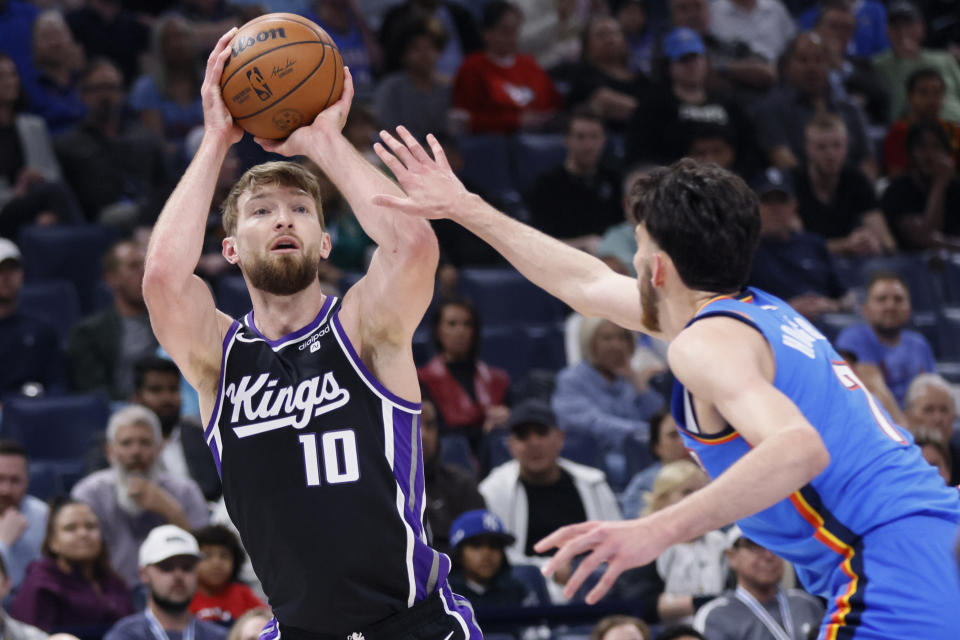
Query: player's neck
{"x": 277, "y": 316}
{"x": 676, "y": 311}
{"x": 171, "y": 621}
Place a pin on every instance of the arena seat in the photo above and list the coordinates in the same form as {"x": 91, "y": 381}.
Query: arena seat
{"x": 455, "y": 449}
{"x": 504, "y": 297}
{"x": 534, "y": 153}
{"x": 232, "y": 296}
{"x": 948, "y": 324}
{"x": 67, "y": 253}
{"x": 54, "y": 301}
{"x": 583, "y": 447}
{"x": 486, "y": 163}
{"x": 951, "y": 280}
{"x": 520, "y": 349}
{"x": 530, "y": 575}
{"x": 55, "y": 428}
{"x": 54, "y": 478}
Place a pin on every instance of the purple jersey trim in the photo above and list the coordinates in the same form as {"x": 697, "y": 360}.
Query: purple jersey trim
{"x": 299, "y": 333}
{"x": 368, "y": 377}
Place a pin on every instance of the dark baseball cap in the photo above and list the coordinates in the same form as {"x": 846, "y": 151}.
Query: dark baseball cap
{"x": 903, "y": 10}
{"x": 532, "y": 411}
{"x": 774, "y": 184}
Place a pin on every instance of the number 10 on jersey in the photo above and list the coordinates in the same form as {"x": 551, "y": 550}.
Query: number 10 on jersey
{"x": 336, "y": 470}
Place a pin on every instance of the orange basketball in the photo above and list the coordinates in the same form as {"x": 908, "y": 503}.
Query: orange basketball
{"x": 283, "y": 71}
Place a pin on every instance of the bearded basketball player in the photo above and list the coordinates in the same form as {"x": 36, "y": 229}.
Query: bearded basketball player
{"x": 311, "y": 402}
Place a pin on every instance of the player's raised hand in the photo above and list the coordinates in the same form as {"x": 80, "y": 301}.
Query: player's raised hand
{"x": 217, "y": 120}
{"x": 622, "y": 545}
{"x": 304, "y": 140}
{"x": 433, "y": 191}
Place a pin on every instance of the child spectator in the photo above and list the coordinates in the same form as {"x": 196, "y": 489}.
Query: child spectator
{"x": 220, "y": 596}
{"x": 74, "y": 585}
{"x": 481, "y": 572}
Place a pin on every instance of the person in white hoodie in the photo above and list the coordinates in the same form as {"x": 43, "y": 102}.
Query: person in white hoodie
{"x": 538, "y": 491}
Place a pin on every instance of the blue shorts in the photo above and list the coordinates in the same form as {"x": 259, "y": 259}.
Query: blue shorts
{"x": 900, "y": 582}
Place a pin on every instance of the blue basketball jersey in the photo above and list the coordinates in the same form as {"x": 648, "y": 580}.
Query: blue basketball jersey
{"x": 876, "y": 475}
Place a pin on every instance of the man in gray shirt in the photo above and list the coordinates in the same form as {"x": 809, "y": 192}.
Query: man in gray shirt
{"x": 133, "y": 496}
{"x": 758, "y": 609}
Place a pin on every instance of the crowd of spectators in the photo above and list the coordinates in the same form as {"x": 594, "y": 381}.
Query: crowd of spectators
{"x": 843, "y": 116}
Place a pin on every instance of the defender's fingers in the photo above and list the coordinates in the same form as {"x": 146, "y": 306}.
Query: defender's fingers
{"x": 400, "y": 150}
{"x": 396, "y": 167}
{"x": 415, "y": 148}
{"x": 438, "y": 153}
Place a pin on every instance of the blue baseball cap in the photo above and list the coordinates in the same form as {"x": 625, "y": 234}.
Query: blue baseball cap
{"x": 478, "y": 522}
{"x": 683, "y": 41}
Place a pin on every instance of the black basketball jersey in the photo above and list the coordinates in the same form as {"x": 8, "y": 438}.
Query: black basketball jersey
{"x": 323, "y": 476}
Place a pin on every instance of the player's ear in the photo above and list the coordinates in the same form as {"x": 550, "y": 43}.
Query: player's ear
{"x": 229, "y": 250}
{"x": 658, "y": 268}
{"x": 326, "y": 245}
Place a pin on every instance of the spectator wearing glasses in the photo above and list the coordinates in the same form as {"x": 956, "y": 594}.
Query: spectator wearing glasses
{"x": 168, "y": 568}
{"x": 538, "y": 491}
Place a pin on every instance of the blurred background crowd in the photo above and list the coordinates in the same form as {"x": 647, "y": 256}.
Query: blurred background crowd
{"x": 843, "y": 115}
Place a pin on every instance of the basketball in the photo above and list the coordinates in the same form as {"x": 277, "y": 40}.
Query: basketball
{"x": 282, "y": 72}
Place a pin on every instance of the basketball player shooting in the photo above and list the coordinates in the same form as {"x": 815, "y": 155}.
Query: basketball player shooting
{"x": 311, "y": 402}
{"x": 802, "y": 456}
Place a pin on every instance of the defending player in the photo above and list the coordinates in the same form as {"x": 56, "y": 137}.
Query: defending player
{"x": 312, "y": 403}
{"x": 803, "y": 457}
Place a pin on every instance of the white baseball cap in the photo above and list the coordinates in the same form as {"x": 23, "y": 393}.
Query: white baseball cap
{"x": 8, "y": 250}
{"x": 167, "y": 541}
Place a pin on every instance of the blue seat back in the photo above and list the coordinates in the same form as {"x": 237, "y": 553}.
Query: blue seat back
{"x": 455, "y": 449}
{"x": 534, "y": 154}
{"x": 534, "y": 580}
{"x": 67, "y": 253}
{"x": 54, "y": 301}
{"x": 55, "y": 428}
{"x": 504, "y": 297}
{"x": 486, "y": 163}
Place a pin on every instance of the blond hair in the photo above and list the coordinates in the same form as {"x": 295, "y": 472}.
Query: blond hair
{"x": 672, "y": 475}
{"x": 588, "y": 331}
{"x": 283, "y": 174}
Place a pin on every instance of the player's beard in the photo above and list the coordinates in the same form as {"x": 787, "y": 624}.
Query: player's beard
{"x": 649, "y": 300}
{"x": 284, "y": 274}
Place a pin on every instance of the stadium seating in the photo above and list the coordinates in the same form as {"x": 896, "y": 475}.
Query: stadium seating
{"x": 530, "y": 575}
{"x": 55, "y": 428}
{"x": 50, "y": 479}
{"x": 486, "y": 165}
{"x": 455, "y": 449}
{"x": 54, "y": 301}
{"x": 232, "y": 296}
{"x": 518, "y": 349}
{"x": 533, "y": 154}
{"x": 505, "y": 297}
{"x": 67, "y": 253}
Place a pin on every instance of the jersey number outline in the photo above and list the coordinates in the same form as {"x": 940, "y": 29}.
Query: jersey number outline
{"x": 344, "y": 440}
{"x": 850, "y": 381}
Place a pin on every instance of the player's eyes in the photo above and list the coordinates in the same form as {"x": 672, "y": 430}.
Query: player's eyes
{"x": 300, "y": 209}
{"x": 260, "y": 212}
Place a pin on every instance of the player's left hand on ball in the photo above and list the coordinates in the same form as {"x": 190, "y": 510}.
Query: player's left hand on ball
{"x": 622, "y": 545}
{"x": 304, "y": 139}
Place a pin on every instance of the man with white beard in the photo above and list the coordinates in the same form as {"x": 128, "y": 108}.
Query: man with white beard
{"x": 133, "y": 496}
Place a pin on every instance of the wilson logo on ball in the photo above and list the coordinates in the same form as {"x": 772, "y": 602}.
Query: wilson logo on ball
{"x": 243, "y": 44}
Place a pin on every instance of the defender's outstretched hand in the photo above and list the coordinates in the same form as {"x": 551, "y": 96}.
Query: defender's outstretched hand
{"x": 303, "y": 140}
{"x": 433, "y": 191}
{"x": 622, "y": 545}
{"x": 217, "y": 120}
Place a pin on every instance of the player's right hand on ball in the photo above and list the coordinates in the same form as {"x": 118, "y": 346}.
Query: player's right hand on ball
{"x": 217, "y": 120}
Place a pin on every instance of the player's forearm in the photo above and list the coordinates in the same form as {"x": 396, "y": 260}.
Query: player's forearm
{"x": 769, "y": 473}
{"x": 177, "y": 239}
{"x": 357, "y": 179}
{"x": 552, "y": 265}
